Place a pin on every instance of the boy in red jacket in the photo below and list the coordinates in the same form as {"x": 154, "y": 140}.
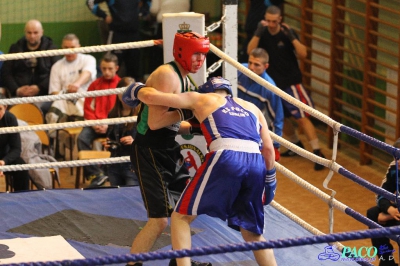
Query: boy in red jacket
{"x": 98, "y": 108}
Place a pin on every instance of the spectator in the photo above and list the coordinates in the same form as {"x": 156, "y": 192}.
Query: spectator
{"x": 284, "y": 49}
{"x": 73, "y": 73}
{"x": 157, "y": 9}
{"x": 386, "y": 213}
{"x": 119, "y": 141}
{"x": 268, "y": 102}
{"x": 124, "y": 24}
{"x": 10, "y": 149}
{"x": 98, "y": 108}
{"x": 30, "y": 77}
{"x": 255, "y": 13}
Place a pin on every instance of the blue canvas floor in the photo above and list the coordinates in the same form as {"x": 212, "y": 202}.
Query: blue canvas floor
{"x": 103, "y": 222}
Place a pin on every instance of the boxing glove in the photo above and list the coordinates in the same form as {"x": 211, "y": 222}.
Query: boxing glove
{"x": 129, "y": 96}
{"x": 269, "y": 186}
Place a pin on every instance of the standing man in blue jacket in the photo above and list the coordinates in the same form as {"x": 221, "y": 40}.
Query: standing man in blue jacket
{"x": 269, "y": 103}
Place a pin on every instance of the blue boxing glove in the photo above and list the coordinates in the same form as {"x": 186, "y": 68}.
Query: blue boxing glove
{"x": 269, "y": 186}
{"x": 129, "y": 96}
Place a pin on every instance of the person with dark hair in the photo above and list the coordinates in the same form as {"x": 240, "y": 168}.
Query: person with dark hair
{"x": 156, "y": 156}
{"x": 284, "y": 49}
{"x": 10, "y": 149}
{"x": 30, "y": 77}
{"x": 123, "y": 22}
{"x": 98, "y": 108}
{"x": 386, "y": 213}
{"x": 240, "y": 154}
{"x": 268, "y": 102}
{"x": 119, "y": 140}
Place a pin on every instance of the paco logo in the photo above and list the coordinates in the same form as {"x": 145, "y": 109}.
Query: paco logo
{"x": 357, "y": 254}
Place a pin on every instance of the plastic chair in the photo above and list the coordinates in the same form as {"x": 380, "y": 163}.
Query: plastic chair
{"x": 28, "y": 112}
{"x": 72, "y": 133}
{"x": 87, "y": 155}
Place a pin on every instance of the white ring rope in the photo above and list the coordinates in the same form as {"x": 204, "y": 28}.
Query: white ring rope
{"x": 303, "y": 223}
{"x": 64, "y": 164}
{"x": 85, "y": 123}
{"x": 62, "y": 96}
{"x": 326, "y": 119}
{"x": 87, "y": 49}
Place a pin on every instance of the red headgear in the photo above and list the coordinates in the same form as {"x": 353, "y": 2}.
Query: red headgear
{"x": 186, "y": 44}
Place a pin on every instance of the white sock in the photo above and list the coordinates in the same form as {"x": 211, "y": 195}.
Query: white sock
{"x": 314, "y": 144}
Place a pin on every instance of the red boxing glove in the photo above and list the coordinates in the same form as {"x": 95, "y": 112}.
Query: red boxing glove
{"x": 277, "y": 154}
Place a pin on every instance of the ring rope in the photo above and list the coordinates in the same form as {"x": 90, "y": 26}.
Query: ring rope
{"x": 246, "y": 246}
{"x": 86, "y": 49}
{"x": 324, "y": 118}
{"x": 303, "y": 223}
{"x": 64, "y": 164}
{"x": 61, "y": 96}
{"x": 85, "y": 123}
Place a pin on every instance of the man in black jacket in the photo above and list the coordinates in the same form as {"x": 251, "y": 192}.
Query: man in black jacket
{"x": 29, "y": 77}
{"x": 10, "y": 149}
{"x": 123, "y": 23}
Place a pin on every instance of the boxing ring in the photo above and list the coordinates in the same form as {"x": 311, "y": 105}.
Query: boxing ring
{"x": 98, "y": 225}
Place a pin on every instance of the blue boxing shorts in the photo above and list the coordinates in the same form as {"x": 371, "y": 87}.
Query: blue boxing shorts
{"x": 229, "y": 185}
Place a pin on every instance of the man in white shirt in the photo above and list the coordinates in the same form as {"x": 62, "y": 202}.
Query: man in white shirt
{"x": 73, "y": 73}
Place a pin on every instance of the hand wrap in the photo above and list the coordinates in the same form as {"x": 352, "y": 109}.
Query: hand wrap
{"x": 195, "y": 126}
{"x": 289, "y": 33}
{"x": 260, "y": 29}
{"x": 185, "y": 114}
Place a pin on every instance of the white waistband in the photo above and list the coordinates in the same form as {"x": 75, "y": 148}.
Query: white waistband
{"x": 235, "y": 145}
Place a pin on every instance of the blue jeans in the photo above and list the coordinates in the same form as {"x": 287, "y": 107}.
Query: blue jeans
{"x": 120, "y": 174}
{"x": 85, "y": 142}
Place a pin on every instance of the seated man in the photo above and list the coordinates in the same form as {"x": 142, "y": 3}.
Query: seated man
{"x": 29, "y": 77}
{"x": 71, "y": 74}
{"x": 386, "y": 213}
{"x": 98, "y": 108}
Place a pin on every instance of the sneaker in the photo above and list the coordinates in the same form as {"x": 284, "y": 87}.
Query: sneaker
{"x": 97, "y": 180}
{"x": 318, "y": 167}
{"x": 290, "y": 153}
{"x": 172, "y": 262}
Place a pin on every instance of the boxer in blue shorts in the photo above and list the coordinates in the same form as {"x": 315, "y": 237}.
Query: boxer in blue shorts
{"x": 241, "y": 154}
